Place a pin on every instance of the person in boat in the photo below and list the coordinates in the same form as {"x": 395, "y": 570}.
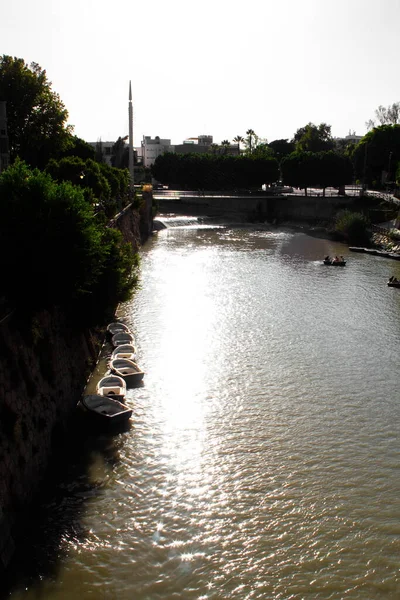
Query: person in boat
{"x": 327, "y": 258}
{"x": 341, "y": 259}
{"x": 391, "y": 279}
{"x": 336, "y": 259}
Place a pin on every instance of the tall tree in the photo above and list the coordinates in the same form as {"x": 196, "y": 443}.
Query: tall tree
{"x": 239, "y": 140}
{"x": 36, "y": 117}
{"x": 120, "y": 153}
{"x": 281, "y": 148}
{"x": 313, "y": 138}
{"x": 79, "y": 148}
{"x": 251, "y": 140}
{"x": 225, "y": 144}
{"x": 389, "y": 115}
{"x": 376, "y": 153}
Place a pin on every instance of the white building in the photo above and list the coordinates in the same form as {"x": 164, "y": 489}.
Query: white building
{"x": 153, "y": 147}
{"x": 352, "y": 138}
{"x": 106, "y": 149}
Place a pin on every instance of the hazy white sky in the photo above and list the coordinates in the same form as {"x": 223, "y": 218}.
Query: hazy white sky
{"x": 216, "y": 67}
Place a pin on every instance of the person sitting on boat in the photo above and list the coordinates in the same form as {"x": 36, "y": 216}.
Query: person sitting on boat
{"x": 327, "y": 258}
{"x": 336, "y": 259}
{"x": 341, "y": 259}
{"x": 391, "y": 279}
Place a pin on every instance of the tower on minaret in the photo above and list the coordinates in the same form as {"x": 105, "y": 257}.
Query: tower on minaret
{"x": 131, "y": 138}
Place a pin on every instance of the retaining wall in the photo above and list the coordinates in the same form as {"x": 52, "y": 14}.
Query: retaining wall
{"x": 44, "y": 367}
{"x": 258, "y": 208}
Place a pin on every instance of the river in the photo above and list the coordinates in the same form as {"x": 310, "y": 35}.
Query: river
{"x": 262, "y": 461}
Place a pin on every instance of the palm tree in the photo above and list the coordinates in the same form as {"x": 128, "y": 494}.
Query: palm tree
{"x": 226, "y": 145}
{"x": 250, "y": 136}
{"x": 238, "y": 139}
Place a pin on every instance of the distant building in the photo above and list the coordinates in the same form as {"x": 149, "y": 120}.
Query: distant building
{"x": 153, "y": 147}
{"x": 351, "y": 138}
{"x": 4, "y": 149}
{"x": 202, "y": 144}
{"x": 105, "y": 148}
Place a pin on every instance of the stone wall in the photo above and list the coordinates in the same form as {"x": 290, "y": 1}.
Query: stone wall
{"x": 44, "y": 367}
{"x": 259, "y": 208}
{"x": 43, "y": 371}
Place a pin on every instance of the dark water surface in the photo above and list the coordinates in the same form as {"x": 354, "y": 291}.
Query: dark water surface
{"x": 263, "y": 456}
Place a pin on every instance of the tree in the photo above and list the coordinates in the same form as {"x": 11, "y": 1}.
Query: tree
{"x": 262, "y": 150}
{"x": 225, "y": 144}
{"x": 36, "y": 117}
{"x": 251, "y": 140}
{"x": 79, "y": 148}
{"x": 218, "y": 172}
{"x": 120, "y": 154}
{"x": 313, "y": 138}
{"x": 322, "y": 169}
{"x": 104, "y": 186}
{"x": 377, "y": 152}
{"x": 281, "y": 148}
{"x": 389, "y": 115}
{"x": 239, "y": 140}
{"x": 68, "y": 255}
{"x": 99, "y": 151}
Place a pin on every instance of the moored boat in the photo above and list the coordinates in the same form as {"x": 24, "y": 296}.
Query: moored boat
{"x": 124, "y": 351}
{"x": 123, "y": 337}
{"x": 127, "y": 369}
{"x": 117, "y": 327}
{"x": 105, "y": 410}
{"x": 111, "y": 386}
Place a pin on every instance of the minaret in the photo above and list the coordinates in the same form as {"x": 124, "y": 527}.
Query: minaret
{"x": 131, "y": 137}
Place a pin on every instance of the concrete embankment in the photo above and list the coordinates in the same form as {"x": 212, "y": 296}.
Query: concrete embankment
{"x": 44, "y": 366}
{"x": 258, "y": 208}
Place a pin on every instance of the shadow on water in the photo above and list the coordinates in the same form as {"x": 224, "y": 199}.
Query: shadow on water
{"x": 55, "y": 518}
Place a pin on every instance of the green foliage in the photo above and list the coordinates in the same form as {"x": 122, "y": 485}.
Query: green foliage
{"x": 104, "y": 186}
{"x": 281, "y": 148}
{"x": 214, "y": 172}
{"x": 389, "y": 115}
{"x": 352, "y": 227}
{"x": 320, "y": 169}
{"x": 377, "y": 151}
{"x": 36, "y": 117}
{"x": 52, "y": 248}
{"x": 79, "y": 148}
{"x": 250, "y": 141}
{"x": 313, "y": 138}
{"x": 120, "y": 154}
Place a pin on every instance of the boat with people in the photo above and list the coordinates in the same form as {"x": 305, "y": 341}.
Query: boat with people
{"x": 334, "y": 262}
{"x": 105, "y": 410}
{"x": 128, "y": 370}
{"x": 111, "y": 386}
{"x": 393, "y": 282}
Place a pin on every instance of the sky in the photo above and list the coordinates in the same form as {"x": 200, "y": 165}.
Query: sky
{"x": 210, "y": 67}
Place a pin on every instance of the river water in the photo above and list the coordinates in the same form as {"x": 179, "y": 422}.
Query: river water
{"x": 263, "y": 457}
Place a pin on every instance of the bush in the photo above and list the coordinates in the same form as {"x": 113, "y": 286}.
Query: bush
{"x": 352, "y": 227}
{"x": 53, "y": 248}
